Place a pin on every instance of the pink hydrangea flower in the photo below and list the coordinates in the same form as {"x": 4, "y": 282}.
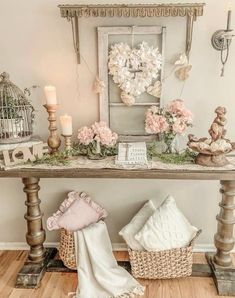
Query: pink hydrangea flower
{"x": 154, "y": 109}
{"x": 179, "y": 126}
{"x": 172, "y": 119}
{"x": 105, "y": 136}
{"x": 155, "y": 123}
{"x": 178, "y": 108}
{"x": 187, "y": 115}
{"x": 99, "y": 132}
{"x": 97, "y": 125}
{"x": 85, "y": 135}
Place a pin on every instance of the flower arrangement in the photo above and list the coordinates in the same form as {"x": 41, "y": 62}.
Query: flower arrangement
{"x": 171, "y": 120}
{"x": 134, "y": 70}
{"x": 97, "y": 141}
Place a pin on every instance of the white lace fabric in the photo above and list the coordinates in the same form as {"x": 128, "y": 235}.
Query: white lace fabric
{"x": 99, "y": 275}
{"x": 82, "y": 162}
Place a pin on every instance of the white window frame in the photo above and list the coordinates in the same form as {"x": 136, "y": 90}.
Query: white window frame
{"x": 103, "y": 51}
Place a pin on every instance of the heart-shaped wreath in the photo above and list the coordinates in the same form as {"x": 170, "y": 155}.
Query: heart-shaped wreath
{"x": 134, "y": 70}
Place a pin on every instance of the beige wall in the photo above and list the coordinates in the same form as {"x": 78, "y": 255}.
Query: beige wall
{"x": 36, "y": 48}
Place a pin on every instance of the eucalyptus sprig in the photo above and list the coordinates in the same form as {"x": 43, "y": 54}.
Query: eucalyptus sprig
{"x": 80, "y": 149}
{"x": 186, "y": 156}
{"x": 153, "y": 149}
{"x": 56, "y": 159}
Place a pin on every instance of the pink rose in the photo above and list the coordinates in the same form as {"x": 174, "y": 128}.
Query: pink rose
{"x": 85, "y": 135}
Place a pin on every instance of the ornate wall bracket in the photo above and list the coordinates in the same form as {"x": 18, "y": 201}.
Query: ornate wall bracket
{"x": 191, "y": 11}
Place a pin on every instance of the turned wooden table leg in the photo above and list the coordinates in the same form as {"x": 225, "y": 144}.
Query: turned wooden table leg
{"x": 35, "y": 235}
{"x": 224, "y": 241}
{"x": 38, "y": 258}
{"x": 221, "y": 262}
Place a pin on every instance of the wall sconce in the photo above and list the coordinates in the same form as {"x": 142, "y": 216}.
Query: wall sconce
{"x": 221, "y": 41}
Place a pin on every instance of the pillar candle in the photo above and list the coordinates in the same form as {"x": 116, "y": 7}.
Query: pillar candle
{"x": 66, "y": 125}
{"x": 229, "y": 16}
{"x": 50, "y": 92}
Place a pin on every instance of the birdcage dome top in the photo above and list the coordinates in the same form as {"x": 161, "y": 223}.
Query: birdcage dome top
{"x": 8, "y": 89}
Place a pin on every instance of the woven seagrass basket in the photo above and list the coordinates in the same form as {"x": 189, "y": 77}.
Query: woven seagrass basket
{"x": 144, "y": 264}
{"x": 67, "y": 249}
{"x": 163, "y": 264}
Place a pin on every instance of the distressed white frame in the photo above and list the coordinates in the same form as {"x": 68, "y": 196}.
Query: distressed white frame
{"x": 103, "y": 51}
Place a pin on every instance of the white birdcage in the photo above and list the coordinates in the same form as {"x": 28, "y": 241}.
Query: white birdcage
{"x": 16, "y": 113}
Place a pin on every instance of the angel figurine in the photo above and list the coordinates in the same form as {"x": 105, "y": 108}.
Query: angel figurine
{"x": 217, "y": 130}
{"x": 212, "y": 150}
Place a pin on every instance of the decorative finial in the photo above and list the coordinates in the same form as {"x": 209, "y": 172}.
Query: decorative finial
{"x": 5, "y": 76}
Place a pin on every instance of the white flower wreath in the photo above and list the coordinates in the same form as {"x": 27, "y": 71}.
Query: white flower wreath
{"x": 134, "y": 70}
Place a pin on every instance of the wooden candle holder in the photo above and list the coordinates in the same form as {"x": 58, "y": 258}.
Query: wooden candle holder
{"x": 68, "y": 142}
{"x": 54, "y": 140}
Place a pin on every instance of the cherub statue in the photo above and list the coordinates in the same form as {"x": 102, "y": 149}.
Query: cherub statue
{"x": 217, "y": 130}
{"x": 212, "y": 150}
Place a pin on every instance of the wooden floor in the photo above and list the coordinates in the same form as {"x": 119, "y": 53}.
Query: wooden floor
{"x": 55, "y": 285}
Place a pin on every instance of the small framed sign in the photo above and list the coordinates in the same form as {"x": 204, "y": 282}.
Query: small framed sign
{"x": 132, "y": 154}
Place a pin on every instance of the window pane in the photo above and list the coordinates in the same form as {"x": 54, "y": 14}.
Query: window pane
{"x": 128, "y": 120}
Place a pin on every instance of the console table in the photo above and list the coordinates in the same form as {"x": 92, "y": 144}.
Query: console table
{"x": 219, "y": 264}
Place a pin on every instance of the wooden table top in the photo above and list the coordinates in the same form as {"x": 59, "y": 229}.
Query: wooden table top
{"x": 120, "y": 173}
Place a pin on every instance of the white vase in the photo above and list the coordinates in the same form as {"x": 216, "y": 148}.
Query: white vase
{"x": 175, "y": 145}
{"x": 172, "y": 144}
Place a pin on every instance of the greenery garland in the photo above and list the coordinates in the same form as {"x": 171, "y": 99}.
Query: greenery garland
{"x": 91, "y": 149}
{"x": 56, "y": 159}
{"x": 61, "y": 158}
{"x": 186, "y": 156}
{"x": 177, "y": 158}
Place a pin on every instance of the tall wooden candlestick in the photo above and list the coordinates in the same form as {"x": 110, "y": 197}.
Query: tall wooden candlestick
{"x": 53, "y": 140}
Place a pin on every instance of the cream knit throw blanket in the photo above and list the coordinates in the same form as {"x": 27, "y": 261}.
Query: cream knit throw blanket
{"x": 99, "y": 275}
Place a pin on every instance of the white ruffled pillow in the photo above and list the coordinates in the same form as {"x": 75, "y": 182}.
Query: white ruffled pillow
{"x": 167, "y": 228}
{"x": 137, "y": 222}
